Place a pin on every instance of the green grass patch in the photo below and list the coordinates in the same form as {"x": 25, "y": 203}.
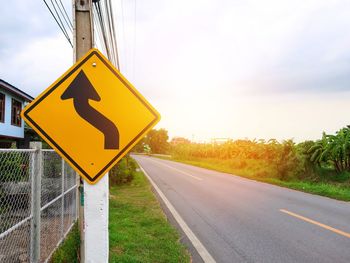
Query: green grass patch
{"x": 68, "y": 251}
{"x": 325, "y": 189}
{"x": 138, "y": 229}
{"x": 335, "y": 186}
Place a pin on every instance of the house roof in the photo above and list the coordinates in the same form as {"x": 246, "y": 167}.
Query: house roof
{"x": 8, "y": 87}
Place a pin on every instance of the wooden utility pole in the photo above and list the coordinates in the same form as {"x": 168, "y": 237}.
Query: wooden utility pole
{"x": 83, "y": 30}
{"x": 83, "y": 42}
{"x": 93, "y": 206}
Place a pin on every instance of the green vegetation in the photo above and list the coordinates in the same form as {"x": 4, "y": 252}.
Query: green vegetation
{"x": 69, "y": 249}
{"x": 139, "y": 231}
{"x": 123, "y": 172}
{"x": 14, "y": 166}
{"x": 321, "y": 167}
{"x": 156, "y": 141}
{"x": 334, "y": 149}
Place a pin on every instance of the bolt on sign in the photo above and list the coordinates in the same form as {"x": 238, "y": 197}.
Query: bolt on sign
{"x": 92, "y": 116}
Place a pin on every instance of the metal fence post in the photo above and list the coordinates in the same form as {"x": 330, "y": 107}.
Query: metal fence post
{"x": 77, "y": 196}
{"x": 36, "y": 175}
{"x": 62, "y": 193}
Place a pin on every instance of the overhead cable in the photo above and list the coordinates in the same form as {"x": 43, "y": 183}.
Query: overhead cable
{"x": 60, "y": 24}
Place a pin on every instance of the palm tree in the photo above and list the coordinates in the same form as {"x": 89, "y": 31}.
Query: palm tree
{"x": 340, "y": 149}
{"x": 334, "y": 148}
{"x": 319, "y": 151}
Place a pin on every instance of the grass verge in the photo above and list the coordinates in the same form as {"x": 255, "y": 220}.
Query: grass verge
{"x": 138, "y": 229}
{"x": 68, "y": 251}
{"x": 340, "y": 191}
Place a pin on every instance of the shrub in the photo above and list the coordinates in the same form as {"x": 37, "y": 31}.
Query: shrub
{"x": 123, "y": 172}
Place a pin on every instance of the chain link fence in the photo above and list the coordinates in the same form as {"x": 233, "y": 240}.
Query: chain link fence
{"x": 38, "y": 204}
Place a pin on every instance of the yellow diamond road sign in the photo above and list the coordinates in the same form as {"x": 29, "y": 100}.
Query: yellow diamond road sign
{"x": 92, "y": 116}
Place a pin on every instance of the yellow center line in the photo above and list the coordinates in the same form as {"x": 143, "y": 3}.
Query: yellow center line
{"x": 339, "y": 232}
{"x": 180, "y": 171}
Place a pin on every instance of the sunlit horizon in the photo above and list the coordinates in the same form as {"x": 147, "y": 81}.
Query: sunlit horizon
{"x": 213, "y": 69}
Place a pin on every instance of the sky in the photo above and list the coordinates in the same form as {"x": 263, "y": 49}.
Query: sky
{"x": 212, "y": 68}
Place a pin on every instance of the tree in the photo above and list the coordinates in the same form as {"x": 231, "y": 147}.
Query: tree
{"x": 304, "y": 157}
{"x": 158, "y": 141}
{"x": 179, "y": 140}
{"x": 339, "y": 149}
{"x": 284, "y": 158}
{"x": 333, "y": 149}
{"x": 140, "y": 146}
{"x": 319, "y": 150}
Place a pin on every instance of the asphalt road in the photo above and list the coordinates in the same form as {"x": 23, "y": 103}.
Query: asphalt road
{"x": 240, "y": 220}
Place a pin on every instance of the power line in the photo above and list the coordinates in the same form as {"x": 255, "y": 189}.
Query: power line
{"x": 104, "y": 22}
{"x": 64, "y": 16}
{"x": 109, "y": 31}
{"x": 103, "y": 28}
{"x": 65, "y": 12}
{"x": 100, "y": 37}
{"x": 59, "y": 18}
{"x": 113, "y": 33}
{"x": 61, "y": 26}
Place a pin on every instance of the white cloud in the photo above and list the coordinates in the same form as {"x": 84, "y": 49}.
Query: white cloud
{"x": 38, "y": 64}
{"x": 213, "y": 68}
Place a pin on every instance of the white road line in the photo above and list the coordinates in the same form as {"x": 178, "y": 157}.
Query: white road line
{"x": 202, "y": 251}
{"x": 180, "y": 171}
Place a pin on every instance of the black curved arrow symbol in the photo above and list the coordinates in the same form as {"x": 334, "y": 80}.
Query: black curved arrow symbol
{"x": 81, "y": 91}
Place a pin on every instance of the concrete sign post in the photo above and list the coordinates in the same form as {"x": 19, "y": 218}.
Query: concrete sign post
{"x": 96, "y": 221}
